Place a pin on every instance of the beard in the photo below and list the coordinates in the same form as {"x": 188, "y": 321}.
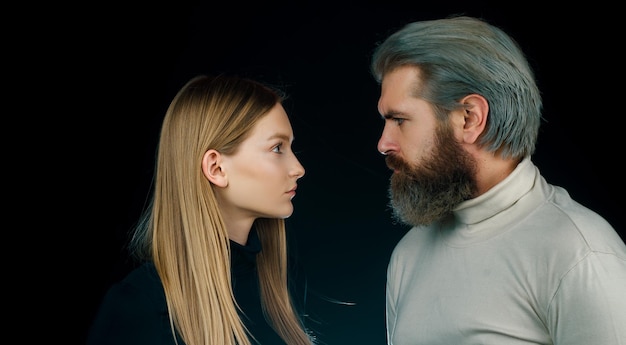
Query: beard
{"x": 430, "y": 190}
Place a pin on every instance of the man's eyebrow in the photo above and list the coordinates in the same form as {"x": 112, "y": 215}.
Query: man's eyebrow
{"x": 391, "y": 113}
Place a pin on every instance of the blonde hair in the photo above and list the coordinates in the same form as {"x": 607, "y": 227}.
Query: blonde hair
{"x": 183, "y": 232}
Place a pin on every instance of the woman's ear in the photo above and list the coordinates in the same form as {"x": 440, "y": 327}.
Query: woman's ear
{"x": 212, "y": 168}
{"x": 476, "y": 112}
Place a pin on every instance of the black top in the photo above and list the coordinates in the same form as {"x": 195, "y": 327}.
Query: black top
{"x": 134, "y": 311}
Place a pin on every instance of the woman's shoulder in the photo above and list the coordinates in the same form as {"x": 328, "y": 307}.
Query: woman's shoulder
{"x": 133, "y": 310}
{"x": 144, "y": 273}
{"x": 139, "y": 292}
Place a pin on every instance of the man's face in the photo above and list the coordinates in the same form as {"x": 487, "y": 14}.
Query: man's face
{"x": 432, "y": 172}
{"x": 426, "y": 190}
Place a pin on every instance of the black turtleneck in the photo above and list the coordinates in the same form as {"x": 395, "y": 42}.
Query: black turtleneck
{"x": 246, "y": 289}
{"x": 134, "y": 311}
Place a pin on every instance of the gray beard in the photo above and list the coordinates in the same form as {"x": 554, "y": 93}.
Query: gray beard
{"x": 429, "y": 191}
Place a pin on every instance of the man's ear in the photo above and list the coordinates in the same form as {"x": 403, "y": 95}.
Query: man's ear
{"x": 476, "y": 112}
{"x": 212, "y": 168}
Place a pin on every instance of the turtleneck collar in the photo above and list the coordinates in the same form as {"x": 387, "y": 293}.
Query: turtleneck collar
{"x": 490, "y": 214}
{"x": 500, "y": 197}
{"x": 246, "y": 254}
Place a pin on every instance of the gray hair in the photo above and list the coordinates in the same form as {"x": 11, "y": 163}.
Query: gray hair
{"x": 458, "y": 56}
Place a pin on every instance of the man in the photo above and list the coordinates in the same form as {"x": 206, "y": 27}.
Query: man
{"x": 496, "y": 255}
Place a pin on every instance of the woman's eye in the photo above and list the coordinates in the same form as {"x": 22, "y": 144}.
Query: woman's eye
{"x": 277, "y": 148}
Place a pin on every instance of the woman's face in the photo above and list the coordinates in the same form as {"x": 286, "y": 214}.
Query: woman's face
{"x": 262, "y": 174}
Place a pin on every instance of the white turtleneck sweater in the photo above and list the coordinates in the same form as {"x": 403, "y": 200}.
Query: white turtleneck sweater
{"x": 520, "y": 264}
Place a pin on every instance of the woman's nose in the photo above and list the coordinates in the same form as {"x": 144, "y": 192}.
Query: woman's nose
{"x": 298, "y": 171}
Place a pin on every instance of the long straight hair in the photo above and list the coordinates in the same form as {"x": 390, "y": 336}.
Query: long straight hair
{"x": 183, "y": 231}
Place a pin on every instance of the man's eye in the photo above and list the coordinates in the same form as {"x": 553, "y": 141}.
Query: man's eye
{"x": 398, "y": 121}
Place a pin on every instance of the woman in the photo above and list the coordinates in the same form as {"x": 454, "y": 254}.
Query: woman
{"x": 213, "y": 241}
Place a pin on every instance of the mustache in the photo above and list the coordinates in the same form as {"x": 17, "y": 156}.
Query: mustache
{"x": 396, "y": 163}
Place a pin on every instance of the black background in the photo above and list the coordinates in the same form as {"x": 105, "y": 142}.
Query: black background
{"x": 126, "y": 61}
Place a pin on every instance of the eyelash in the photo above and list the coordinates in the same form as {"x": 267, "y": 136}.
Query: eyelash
{"x": 277, "y": 148}
{"x": 397, "y": 120}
